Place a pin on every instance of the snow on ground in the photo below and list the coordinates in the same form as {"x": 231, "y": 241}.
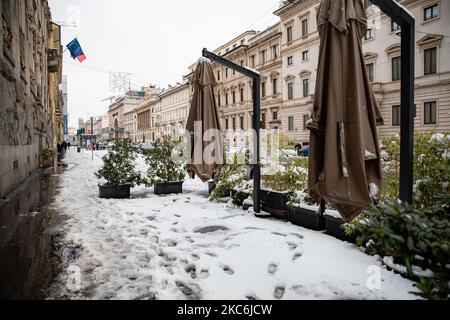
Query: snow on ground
{"x": 185, "y": 247}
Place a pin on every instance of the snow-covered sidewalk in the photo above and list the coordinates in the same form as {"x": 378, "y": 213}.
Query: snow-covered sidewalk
{"x": 185, "y": 247}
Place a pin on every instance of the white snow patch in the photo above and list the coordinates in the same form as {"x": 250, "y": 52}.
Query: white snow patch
{"x": 185, "y": 247}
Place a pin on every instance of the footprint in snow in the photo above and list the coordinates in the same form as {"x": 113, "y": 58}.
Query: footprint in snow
{"x": 203, "y": 274}
{"x": 273, "y": 268}
{"x": 191, "y": 270}
{"x": 279, "y": 234}
{"x": 279, "y": 292}
{"x": 297, "y": 256}
{"x": 228, "y": 270}
{"x": 195, "y": 256}
{"x": 292, "y": 246}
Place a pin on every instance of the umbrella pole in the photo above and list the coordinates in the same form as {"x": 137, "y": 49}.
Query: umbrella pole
{"x": 256, "y": 119}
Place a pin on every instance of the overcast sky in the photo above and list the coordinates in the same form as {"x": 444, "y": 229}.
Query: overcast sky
{"x": 154, "y": 40}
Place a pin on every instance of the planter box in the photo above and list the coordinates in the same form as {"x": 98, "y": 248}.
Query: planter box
{"x": 47, "y": 163}
{"x": 334, "y": 228}
{"x": 239, "y": 197}
{"x": 275, "y": 203}
{"x": 168, "y": 188}
{"x": 211, "y": 186}
{"x": 306, "y": 218}
{"x": 113, "y": 192}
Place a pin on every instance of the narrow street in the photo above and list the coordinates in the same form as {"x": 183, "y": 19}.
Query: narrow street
{"x": 185, "y": 247}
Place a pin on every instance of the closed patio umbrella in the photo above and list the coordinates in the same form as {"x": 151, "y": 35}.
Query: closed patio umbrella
{"x": 345, "y": 165}
{"x": 204, "y": 125}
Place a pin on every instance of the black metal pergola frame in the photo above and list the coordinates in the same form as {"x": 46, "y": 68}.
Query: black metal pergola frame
{"x": 407, "y": 24}
{"x": 256, "y": 120}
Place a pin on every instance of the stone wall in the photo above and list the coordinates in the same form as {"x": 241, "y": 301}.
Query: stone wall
{"x": 24, "y": 96}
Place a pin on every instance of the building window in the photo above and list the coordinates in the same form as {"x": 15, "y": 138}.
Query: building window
{"x": 305, "y": 55}
{"x": 370, "y": 72}
{"x": 305, "y": 28}
{"x": 218, "y": 75}
{"x": 394, "y": 26}
{"x": 242, "y": 63}
{"x": 305, "y": 87}
{"x": 290, "y": 61}
{"x": 275, "y": 115}
{"x": 430, "y": 112}
{"x": 275, "y": 86}
{"x": 263, "y": 56}
{"x": 370, "y": 34}
{"x": 263, "y": 121}
{"x": 242, "y": 94}
{"x": 305, "y": 122}
{"x": 289, "y": 34}
{"x": 396, "y": 68}
{"x": 226, "y": 72}
{"x": 227, "y": 124}
{"x": 275, "y": 51}
{"x": 290, "y": 90}
{"x": 234, "y": 124}
{"x": 263, "y": 89}
{"x": 252, "y": 61}
{"x": 226, "y": 98}
{"x": 234, "y": 97}
{"x": 291, "y": 124}
{"x": 431, "y": 12}
{"x": 430, "y": 61}
{"x": 242, "y": 123}
{"x": 396, "y": 116}
{"x": 218, "y": 99}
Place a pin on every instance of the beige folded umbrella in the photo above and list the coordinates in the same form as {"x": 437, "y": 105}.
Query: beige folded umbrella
{"x": 204, "y": 115}
{"x": 345, "y": 166}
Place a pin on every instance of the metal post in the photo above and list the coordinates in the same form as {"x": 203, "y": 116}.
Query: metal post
{"x": 407, "y": 113}
{"x": 407, "y": 24}
{"x": 257, "y": 152}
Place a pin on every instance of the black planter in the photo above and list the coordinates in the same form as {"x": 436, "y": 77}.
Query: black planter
{"x": 275, "y": 203}
{"x": 239, "y": 197}
{"x": 211, "y": 186}
{"x": 306, "y": 218}
{"x": 114, "y": 192}
{"x": 168, "y": 188}
{"x": 334, "y": 229}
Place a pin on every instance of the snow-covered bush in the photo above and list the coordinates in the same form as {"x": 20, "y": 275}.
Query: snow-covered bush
{"x": 230, "y": 176}
{"x": 411, "y": 235}
{"x": 161, "y": 165}
{"x": 293, "y": 178}
{"x": 431, "y": 167}
{"x": 118, "y": 165}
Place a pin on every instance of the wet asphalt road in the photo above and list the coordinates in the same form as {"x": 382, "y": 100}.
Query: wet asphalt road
{"x": 28, "y": 262}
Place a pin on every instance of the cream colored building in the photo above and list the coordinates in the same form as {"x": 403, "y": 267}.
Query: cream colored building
{"x": 170, "y": 115}
{"x": 145, "y": 131}
{"x": 300, "y": 49}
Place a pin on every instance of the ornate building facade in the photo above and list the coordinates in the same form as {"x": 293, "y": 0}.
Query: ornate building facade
{"x": 30, "y": 74}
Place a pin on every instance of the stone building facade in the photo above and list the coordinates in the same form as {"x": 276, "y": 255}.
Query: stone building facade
{"x": 27, "y": 59}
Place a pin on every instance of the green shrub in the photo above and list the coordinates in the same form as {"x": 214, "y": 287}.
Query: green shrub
{"x": 118, "y": 165}
{"x": 422, "y": 230}
{"x": 230, "y": 176}
{"x": 162, "y": 167}
{"x": 46, "y": 154}
{"x": 407, "y": 233}
{"x": 431, "y": 167}
{"x": 293, "y": 178}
